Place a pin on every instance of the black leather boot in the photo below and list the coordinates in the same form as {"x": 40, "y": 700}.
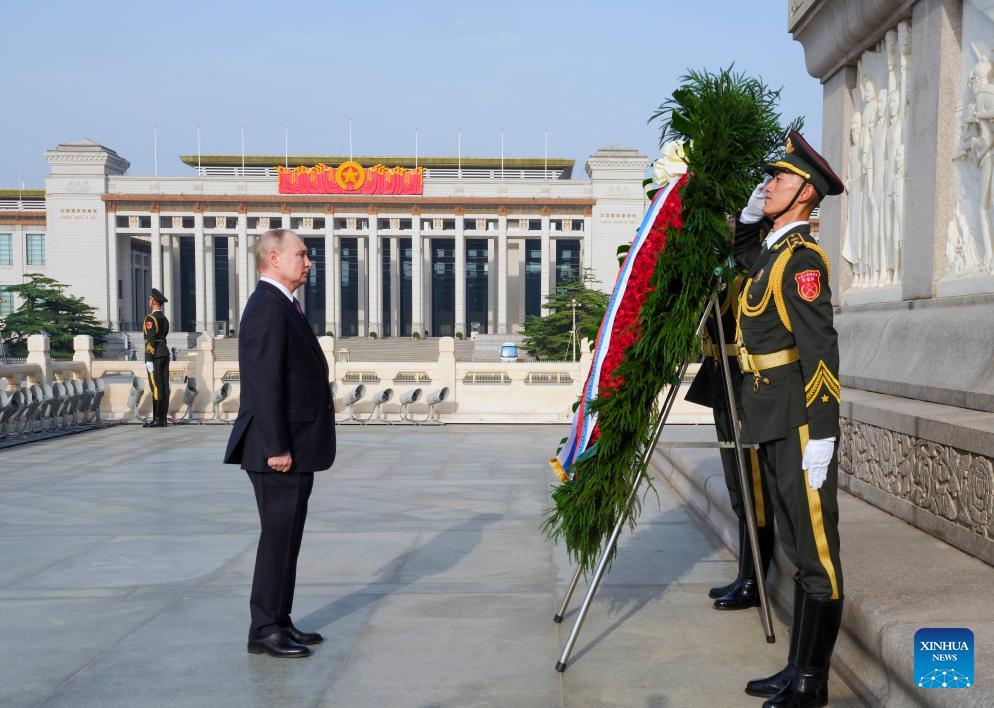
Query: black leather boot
{"x": 808, "y": 688}
{"x": 746, "y": 595}
{"x": 772, "y": 685}
{"x": 723, "y": 590}
{"x": 154, "y": 423}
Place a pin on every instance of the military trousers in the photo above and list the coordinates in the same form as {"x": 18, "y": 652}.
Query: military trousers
{"x": 158, "y": 382}
{"x": 759, "y": 489}
{"x": 807, "y": 519}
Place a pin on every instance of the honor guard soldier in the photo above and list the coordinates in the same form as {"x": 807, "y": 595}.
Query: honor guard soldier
{"x": 708, "y": 389}
{"x": 156, "y": 327}
{"x": 789, "y": 355}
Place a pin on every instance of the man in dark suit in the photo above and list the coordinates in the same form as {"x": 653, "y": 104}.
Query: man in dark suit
{"x": 284, "y": 433}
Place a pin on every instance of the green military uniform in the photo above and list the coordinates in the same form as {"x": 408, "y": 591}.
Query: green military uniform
{"x": 155, "y": 328}
{"x": 708, "y": 389}
{"x": 790, "y": 392}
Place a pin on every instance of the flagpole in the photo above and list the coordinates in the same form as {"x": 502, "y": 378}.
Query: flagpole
{"x": 286, "y": 148}
{"x": 459, "y": 172}
{"x": 243, "y": 151}
{"x": 350, "y": 140}
{"x": 155, "y": 148}
{"x": 198, "y": 151}
{"x": 415, "y": 148}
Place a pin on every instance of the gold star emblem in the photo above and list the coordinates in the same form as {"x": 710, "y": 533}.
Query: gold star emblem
{"x": 824, "y": 399}
{"x": 350, "y": 176}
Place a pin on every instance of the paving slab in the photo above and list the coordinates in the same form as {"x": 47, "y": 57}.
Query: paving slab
{"x": 128, "y": 557}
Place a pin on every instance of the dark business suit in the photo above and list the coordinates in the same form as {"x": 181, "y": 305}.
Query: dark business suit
{"x": 285, "y": 406}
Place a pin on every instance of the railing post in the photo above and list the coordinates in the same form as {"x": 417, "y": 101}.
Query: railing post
{"x": 328, "y": 347}
{"x": 82, "y": 345}
{"x": 38, "y": 355}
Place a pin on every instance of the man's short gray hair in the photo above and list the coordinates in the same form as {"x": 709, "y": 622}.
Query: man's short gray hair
{"x": 272, "y": 240}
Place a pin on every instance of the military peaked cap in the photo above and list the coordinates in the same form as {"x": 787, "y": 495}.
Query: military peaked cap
{"x": 801, "y": 159}
{"x": 158, "y": 296}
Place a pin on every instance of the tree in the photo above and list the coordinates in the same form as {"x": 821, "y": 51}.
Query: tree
{"x": 549, "y": 337}
{"x": 47, "y": 309}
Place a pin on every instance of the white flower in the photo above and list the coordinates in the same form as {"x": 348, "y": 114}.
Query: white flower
{"x": 671, "y": 163}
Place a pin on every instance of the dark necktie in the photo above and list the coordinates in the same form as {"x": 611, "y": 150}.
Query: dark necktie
{"x": 300, "y": 310}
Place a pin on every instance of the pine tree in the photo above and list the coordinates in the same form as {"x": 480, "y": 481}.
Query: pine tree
{"x": 549, "y": 337}
{"x": 47, "y": 309}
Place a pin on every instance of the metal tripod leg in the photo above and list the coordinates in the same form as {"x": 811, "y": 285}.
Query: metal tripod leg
{"x": 613, "y": 539}
{"x": 747, "y": 501}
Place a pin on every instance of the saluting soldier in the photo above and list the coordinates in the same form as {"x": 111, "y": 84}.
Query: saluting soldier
{"x": 708, "y": 389}
{"x": 789, "y": 354}
{"x": 156, "y": 327}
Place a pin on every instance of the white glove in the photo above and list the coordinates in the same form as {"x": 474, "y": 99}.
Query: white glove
{"x": 753, "y": 211}
{"x": 817, "y": 457}
{"x": 150, "y": 366}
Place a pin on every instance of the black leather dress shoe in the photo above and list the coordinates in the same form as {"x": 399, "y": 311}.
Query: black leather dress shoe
{"x": 279, "y": 645}
{"x": 302, "y": 637}
{"x": 151, "y": 424}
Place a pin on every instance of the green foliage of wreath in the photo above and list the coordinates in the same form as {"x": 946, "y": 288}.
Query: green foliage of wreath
{"x": 732, "y": 127}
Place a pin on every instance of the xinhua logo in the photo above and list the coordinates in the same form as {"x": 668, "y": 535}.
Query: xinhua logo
{"x": 944, "y": 658}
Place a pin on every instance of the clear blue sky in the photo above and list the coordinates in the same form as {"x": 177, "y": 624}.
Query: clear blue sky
{"x": 590, "y": 72}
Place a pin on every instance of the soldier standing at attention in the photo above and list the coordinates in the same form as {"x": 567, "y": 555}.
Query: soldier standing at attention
{"x": 789, "y": 355}
{"x": 156, "y": 327}
{"x": 708, "y": 389}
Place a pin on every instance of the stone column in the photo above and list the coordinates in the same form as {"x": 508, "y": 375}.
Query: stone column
{"x": 38, "y": 355}
{"x": 210, "y": 286}
{"x": 546, "y": 260}
{"x": 198, "y": 272}
{"x": 394, "y": 287}
{"x": 82, "y": 345}
{"x": 204, "y": 375}
{"x": 232, "y": 267}
{"x": 113, "y": 305}
{"x": 330, "y": 272}
{"x": 588, "y": 242}
{"x": 242, "y": 261}
{"x": 491, "y": 286}
{"x": 156, "y": 246}
{"x": 417, "y": 307}
{"x": 362, "y": 304}
{"x": 503, "y": 323}
{"x": 460, "y": 266}
{"x": 285, "y": 216}
{"x": 929, "y": 196}
{"x": 374, "y": 266}
{"x": 336, "y": 284}
{"x": 328, "y": 349}
{"x": 167, "y": 281}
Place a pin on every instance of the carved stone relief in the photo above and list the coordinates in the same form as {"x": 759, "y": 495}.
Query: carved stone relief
{"x": 970, "y": 236}
{"x": 876, "y": 160}
{"x": 955, "y": 485}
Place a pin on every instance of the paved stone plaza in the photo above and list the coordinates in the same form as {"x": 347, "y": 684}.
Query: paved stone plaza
{"x": 128, "y": 557}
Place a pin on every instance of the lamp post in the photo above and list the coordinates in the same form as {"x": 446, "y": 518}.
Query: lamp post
{"x": 572, "y": 333}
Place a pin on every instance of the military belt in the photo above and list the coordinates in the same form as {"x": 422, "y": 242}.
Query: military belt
{"x": 710, "y": 349}
{"x": 754, "y": 363}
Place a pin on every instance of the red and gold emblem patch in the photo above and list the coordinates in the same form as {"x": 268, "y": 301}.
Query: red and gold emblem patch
{"x": 148, "y": 325}
{"x": 808, "y": 284}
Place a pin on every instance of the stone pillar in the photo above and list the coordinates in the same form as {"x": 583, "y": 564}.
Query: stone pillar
{"x": 417, "y": 262}
{"x": 586, "y": 360}
{"x": 285, "y": 216}
{"x": 503, "y": 322}
{"x": 447, "y": 372}
{"x": 38, "y": 355}
{"x": 328, "y": 348}
{"x": 82, "y": 345}
{"x": 929, "y": 197}
{"x": 336, "y": 285}
{"x": 330, "y": 273}
{"x": 198, "y": 272}
{"x": 167, "y": 281}
{"x": 156, "y": 246}
{"x": 394, "y": 287}
{"x": 587, "y": 240}
{"x": 491, "y": 286}
{"x": 204, "y": 375}
{"x": 546, "y": 260}
{"x": 375, "y": 266}
{"x": 362, "y": 304}
{"x": 210, "y": 287}
{"x": 113, "y": 304}
{"x": 460, "y": 304}
{"x": 242, "y": 262}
